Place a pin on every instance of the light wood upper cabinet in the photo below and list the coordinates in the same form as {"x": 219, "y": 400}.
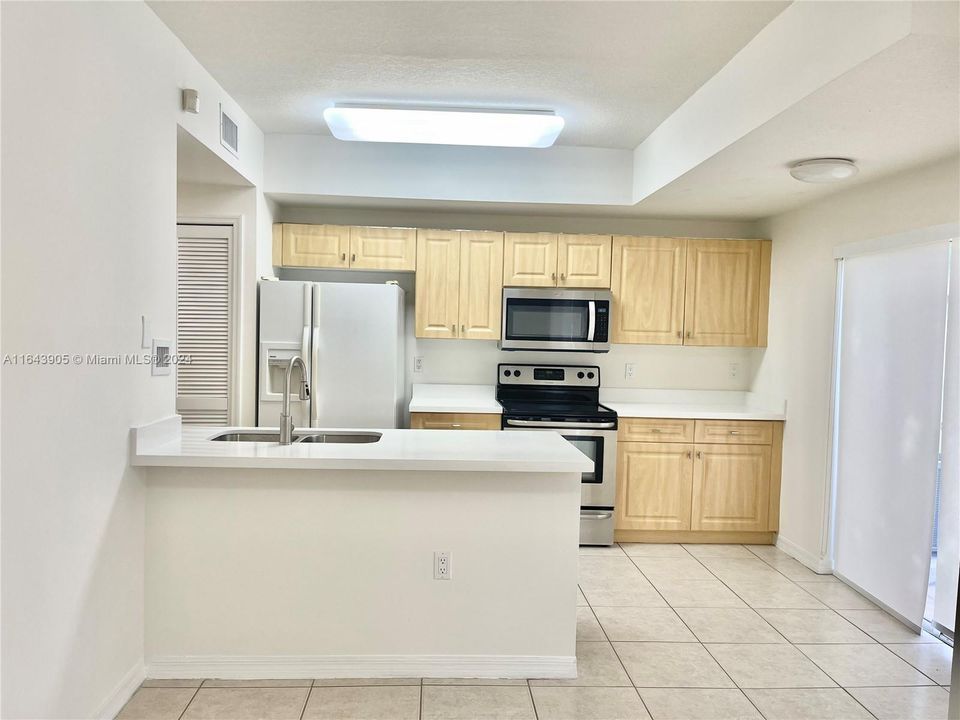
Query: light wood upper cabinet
{"x": 731, "y": 487}
{"x": 722, "y": 304}
{"x": 438, "y": 283}
{"x": 583, "y": 261}
{"x": 379, "y": 248}
{"x": 647, "y": 287}
{"x": 481, "y": 282}
{"x": 530, "y": 259}
{"x": 654, "y": 482}
{"x": 321, "y": 246}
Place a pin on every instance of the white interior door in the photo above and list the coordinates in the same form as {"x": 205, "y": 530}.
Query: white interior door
{"x": 888, "y": 423}
{"x": 948, "y": 552}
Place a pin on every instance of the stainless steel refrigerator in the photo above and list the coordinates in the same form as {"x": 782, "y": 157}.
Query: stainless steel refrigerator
{"x": 350, "y": 336}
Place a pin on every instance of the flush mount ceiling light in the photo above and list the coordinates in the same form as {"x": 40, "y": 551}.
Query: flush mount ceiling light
{"x": 824, "y": 170}
{"x": 444, "y": 126}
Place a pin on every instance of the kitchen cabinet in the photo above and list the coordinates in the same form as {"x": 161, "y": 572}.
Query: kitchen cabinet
{"x": 690, "y": 291}
{"x": 459, "y": 279}
{"x": 319, "y": 246}
{"x": 454, "y": 421}
{"x": 382, "y": 248}
{"x": 550, "y": 260}
{"x": 648, "y": 289}
{"x": 685, "y": 480}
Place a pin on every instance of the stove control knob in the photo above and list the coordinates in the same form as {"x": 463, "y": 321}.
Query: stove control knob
{"x": 590, "y": 376}
{"x": 506, "y": 373}
{"x": 516, "y": 373}
{"x": 580, "y": 374}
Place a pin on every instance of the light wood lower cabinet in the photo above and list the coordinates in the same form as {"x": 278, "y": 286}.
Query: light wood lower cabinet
{"x": 698, "y": 480}
{"x": 454, "y": 421}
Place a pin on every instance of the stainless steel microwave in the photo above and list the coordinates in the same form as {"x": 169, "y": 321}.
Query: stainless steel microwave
{"x": 555, "y": 319}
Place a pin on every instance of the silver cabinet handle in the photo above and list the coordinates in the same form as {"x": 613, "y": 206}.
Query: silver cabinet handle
{"x": 689, "y": 333}
{"x": 553, "y": 276}
{"x": 454, "y": 425}
{"x": 734, "y": 432}
{"x": 679, "y": 334}
{"x": 453, "y": 329}
{"x": 353, "y": 257}
{"x": 689, "y": 454}
{"x": 597, "y": 516}
{"x": 699, "y": 455}
{"x": 343, "y": 256}
{"x": 463, "y": 328}
{"x": 563, "y": 276}
{"x": 656, "y": 430}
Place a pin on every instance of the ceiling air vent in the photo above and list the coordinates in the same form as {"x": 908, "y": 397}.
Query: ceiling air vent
{"x": 229, "y": 133}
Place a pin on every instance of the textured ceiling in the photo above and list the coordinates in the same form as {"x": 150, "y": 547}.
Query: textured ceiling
{"x": 613, "y": 70}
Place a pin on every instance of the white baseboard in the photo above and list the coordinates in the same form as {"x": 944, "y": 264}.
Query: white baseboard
{"x": 814, "y": 562}
{"x": 362, "y": 666}
{"x": 122, "y": 693}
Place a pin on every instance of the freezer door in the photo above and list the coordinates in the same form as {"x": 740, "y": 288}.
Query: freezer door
{"x": 284, "y": 331}
{"x": 358, "y": 355}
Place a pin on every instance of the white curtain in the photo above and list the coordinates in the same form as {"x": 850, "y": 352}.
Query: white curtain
{"x": 890, "y": 365}
{"x": 948, "y": 552}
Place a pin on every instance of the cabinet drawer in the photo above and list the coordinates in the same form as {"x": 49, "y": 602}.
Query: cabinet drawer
{"x": 655, "y": 430}
{"x": 454, "y": 421}
{"x": 738, "y": 432}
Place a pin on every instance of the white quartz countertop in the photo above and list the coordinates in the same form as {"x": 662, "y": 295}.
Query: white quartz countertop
{"x": 455, "y": 399}
{"x": 167, "y": 444}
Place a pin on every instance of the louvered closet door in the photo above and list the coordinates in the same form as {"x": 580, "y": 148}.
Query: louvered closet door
{"x": 204, "y": 328}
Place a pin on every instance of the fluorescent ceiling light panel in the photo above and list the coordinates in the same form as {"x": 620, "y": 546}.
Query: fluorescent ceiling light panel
{"x": 444, "y": 126}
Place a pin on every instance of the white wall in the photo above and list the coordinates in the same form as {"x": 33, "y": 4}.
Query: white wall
{"x": 89, "y": 126}
{"x": 798, "y": 360}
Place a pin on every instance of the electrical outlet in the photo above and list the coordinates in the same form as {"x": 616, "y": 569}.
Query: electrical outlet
{"x": 441, "y": 565}
{"x": 418, "y": 364}
{"x": 629, "y": 370}
{"x": 734, "y": 369}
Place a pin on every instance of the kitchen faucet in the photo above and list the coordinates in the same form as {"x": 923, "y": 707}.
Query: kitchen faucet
{"x": 286, "y": 419}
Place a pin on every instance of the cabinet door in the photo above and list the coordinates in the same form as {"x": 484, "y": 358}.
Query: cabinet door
{"x": 731, "y": 487}
{"x": 722, "y": 292}
{"x": 584, "y": 261}
{"x": 323, "y": 246}
{"x": 454, "y": 421}
{"x": 377, "y": 248}
{"x": 438, "y": 283}
{"x": 654, "y": 483}
{"x": 530, "y": 259}
{"x": 647, "y": 287}
{"x": 481, "y": 285}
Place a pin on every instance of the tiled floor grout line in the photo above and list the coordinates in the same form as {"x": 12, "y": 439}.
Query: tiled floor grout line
{"x": 420, "y": 703}
{"x": 190, "y": 702}
{"x": 533, "y": 702}
{"x": 306, "y": 700}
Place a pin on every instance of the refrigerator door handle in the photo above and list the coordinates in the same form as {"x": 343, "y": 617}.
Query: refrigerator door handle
{"x": 314, "y": 376}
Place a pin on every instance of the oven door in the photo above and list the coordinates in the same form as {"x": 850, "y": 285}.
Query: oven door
{"x": 545, "y": 319}
{"x": 598, "y": 487}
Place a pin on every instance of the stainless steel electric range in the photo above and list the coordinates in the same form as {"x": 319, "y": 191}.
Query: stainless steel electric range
{"x": 566, "y": 399}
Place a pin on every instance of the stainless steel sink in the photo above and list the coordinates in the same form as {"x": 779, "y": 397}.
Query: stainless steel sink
{"x": 272, "y": 436}
{"x": 335, "y": 437}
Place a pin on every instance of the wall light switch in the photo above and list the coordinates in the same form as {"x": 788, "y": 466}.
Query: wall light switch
{"x": 146, "y": 334}
{"x": 418, "y": 364}
{"x": 629, "y": 370}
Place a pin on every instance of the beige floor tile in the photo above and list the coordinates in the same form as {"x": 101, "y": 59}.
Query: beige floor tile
{"x": 695, "y": 704}
{"x": 776, "y": 593}
{"x": 247, "y": 704}
{"x": 597, "y": 666}
{"x": 932, "y": 659}
{"x": 752, "y": 568}
{"x": 474, "y": 681}
{"x": 353, "y": 682}
{"x": 769, "y": 666}
{"x": 837, "y": 595}
{"x": 603, "y": 568}
{"x": 613, "y": 550}
{"x": 654, "y": 550}
{"x": 588, "y": 703}
{"x": 698, "y": 593}
{"x": 798, "y": 572}
{"x": 587, "y": 626}
{"x": 660, "y": 569}
{"x": 729, "y": 625}
{"x": 184, "y": 683}
{"x": 636, "y": 593}
{"x": 808, "y": 704}
{"x": 581, "y": 600}
{"x": 863, "y": 665}
{"x": 900, "y": 703}
{"x": 643, "y": 624}
{"x": 768, "y": 553}
{"x": 156, "y": 704}
{"x": 363, "y": 703}
{"x": 707, "y": 550}
{"x": 476, "y": 703}
{"x": 814, "y": 626}
{"x": 671, "y": 665}
{"x": 257, "y": 683}
{"x": 885, "y": 628}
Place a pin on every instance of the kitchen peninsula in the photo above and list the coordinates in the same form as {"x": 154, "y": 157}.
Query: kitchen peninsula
{"x": 319, "y": 559}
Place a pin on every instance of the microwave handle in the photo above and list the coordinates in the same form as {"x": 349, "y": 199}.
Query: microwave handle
{"x": 591, "y": 319}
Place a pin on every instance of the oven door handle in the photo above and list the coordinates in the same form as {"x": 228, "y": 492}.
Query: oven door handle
{"x": 561, "y": 425}
{"x": 595, "y": 515}
{"x": 591, "y": 319}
